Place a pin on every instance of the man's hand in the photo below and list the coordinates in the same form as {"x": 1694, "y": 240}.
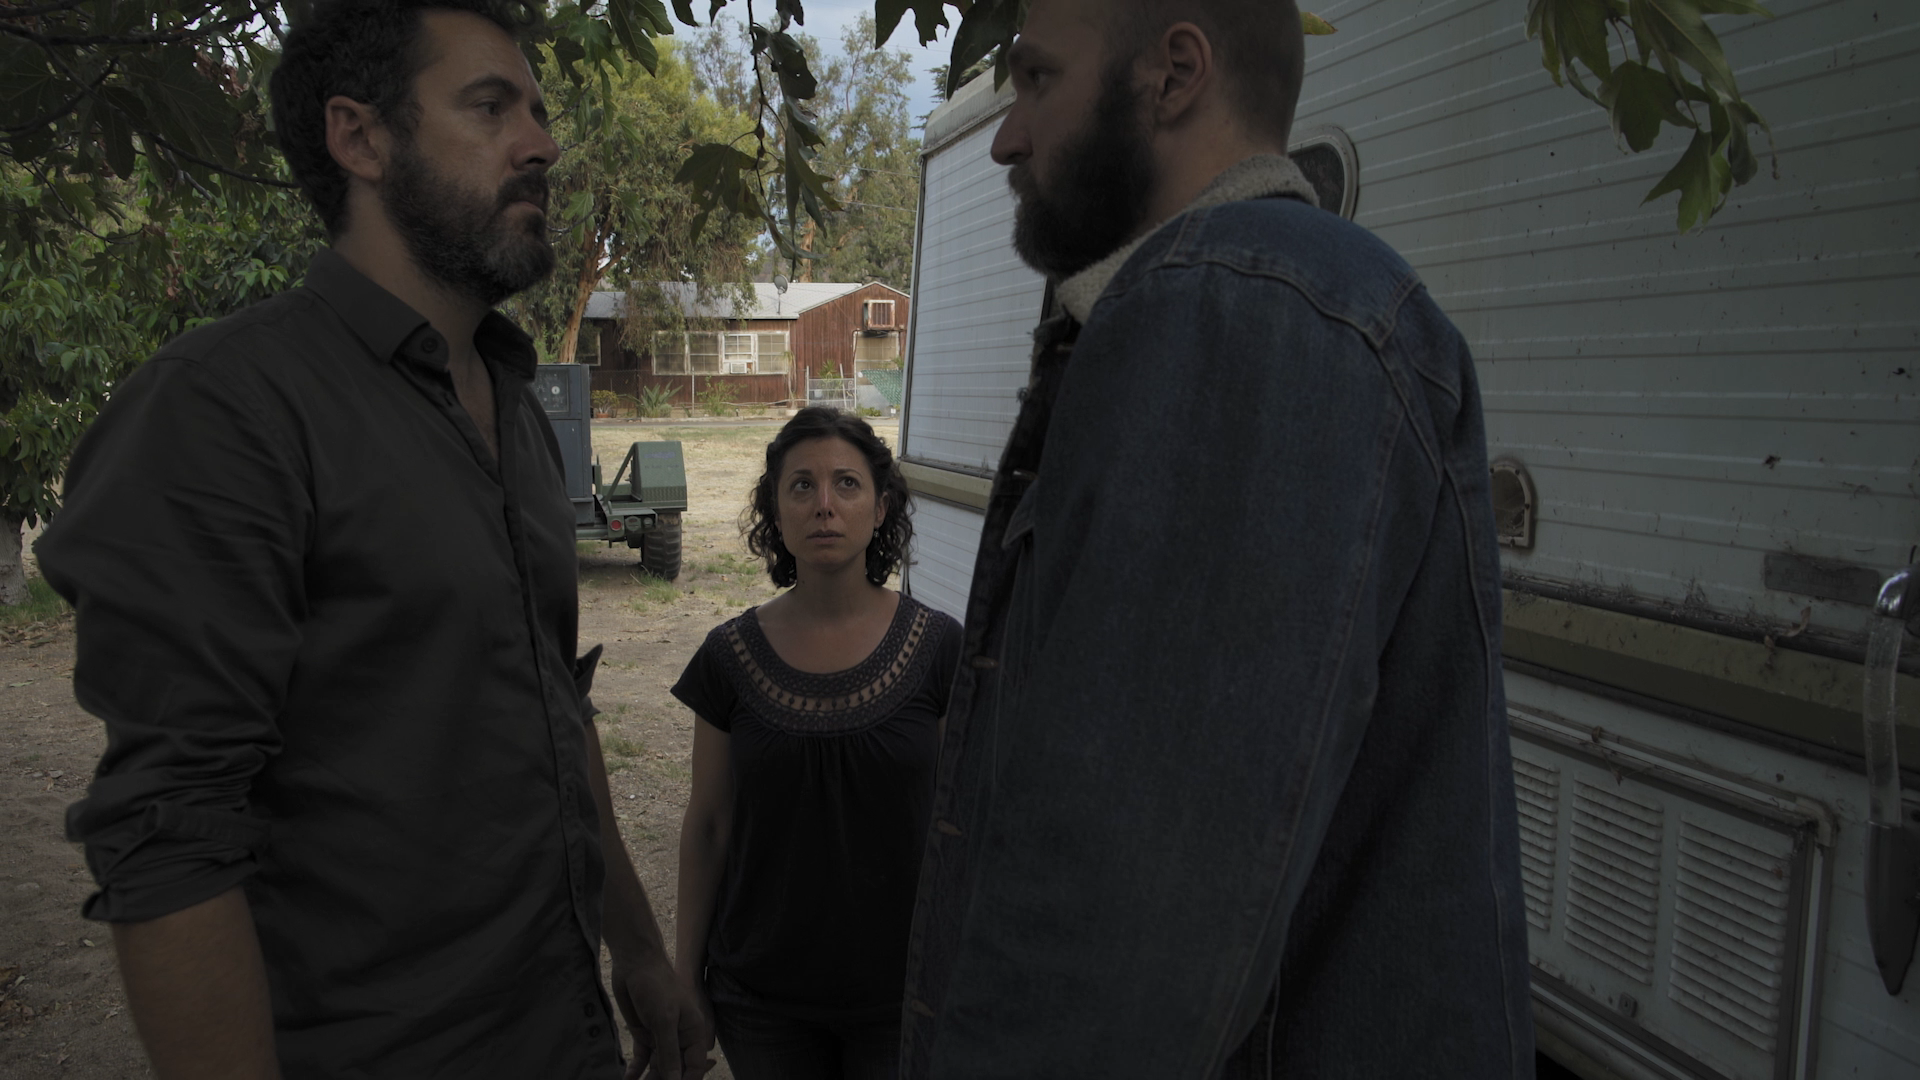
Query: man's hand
{"x": 671, "y": 1035}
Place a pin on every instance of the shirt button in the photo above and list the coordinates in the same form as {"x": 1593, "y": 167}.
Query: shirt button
{"x": 588, "y": 1011}
{"x": 593, "y": 1032}
{"x": 430, "y": 345}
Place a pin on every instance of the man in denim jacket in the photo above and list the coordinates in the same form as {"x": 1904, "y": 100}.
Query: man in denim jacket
{"x": 1225, "y": 788}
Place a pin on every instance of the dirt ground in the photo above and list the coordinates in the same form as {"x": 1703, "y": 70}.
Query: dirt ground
{"x": 62, "y": 1013}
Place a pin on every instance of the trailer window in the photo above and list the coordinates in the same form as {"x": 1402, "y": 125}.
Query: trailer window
{"x": 1326, "y": 156}
{"x": 1513, "y": 509}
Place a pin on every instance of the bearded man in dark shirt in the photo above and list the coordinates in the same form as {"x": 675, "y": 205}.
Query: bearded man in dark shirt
{"x": 353, "y": 818}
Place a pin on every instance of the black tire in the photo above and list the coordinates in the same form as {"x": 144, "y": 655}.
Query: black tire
{"x": 660, "y": 547}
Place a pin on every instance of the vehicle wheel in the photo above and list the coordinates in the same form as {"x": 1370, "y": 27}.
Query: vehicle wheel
{"x": 660, "y": 547}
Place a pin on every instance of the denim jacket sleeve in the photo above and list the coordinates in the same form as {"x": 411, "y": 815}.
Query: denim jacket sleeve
{"x": 1239, "y": 484}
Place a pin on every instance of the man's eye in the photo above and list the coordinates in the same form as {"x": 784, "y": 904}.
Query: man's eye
{"x": 491, "y": 108}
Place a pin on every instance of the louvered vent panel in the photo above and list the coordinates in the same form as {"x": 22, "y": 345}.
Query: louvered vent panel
{"x": 1730, "y": 931}
{"x": 1538, "y": 789}
{"x": 1613, "y": 892}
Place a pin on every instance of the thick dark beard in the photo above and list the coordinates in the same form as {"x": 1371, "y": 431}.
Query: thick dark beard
{"x": 1104, "y": 183}
{"x": 461, "y": 242}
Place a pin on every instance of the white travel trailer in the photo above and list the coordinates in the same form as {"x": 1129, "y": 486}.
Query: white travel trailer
{"x": 1707, "y": 462}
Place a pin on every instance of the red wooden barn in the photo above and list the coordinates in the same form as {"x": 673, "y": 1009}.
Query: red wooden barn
{"x": 766, "y": 353}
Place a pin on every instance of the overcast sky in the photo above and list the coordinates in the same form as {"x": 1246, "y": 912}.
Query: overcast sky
{"x": 826, "y": 19}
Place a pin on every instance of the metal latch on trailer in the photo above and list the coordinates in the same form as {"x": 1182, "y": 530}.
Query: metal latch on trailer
{"x": 1893, "y": 843}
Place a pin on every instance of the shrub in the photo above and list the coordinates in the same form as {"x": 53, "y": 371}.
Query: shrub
{"x": 605, "y": 401}
{"x": 717, "y": 399}
{"x": 656, "y": 401}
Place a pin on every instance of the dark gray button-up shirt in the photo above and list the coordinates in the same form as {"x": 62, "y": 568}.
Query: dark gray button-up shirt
{"x": 333, "y": 641}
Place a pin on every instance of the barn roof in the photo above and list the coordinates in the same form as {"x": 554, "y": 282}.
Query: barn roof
{"x": 768, "y": 303}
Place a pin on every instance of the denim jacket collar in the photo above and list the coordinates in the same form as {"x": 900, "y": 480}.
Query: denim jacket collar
{"x": 1259, "y": 177}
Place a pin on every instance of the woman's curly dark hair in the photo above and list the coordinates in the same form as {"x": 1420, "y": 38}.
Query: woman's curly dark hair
{"x": 760, "y": 523}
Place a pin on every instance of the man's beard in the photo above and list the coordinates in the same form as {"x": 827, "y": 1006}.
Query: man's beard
{"x": 463, "y": 242}
{"x": 1103, "y": 183}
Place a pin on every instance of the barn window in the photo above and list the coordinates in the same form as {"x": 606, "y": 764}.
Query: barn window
{"x": 876, "y": 351}
{"x": 739, "y": 355}
{"x": 703, "y": 354}
{"x": 669, "y": 353}
{"x": 771, "y": 354}
{"x": 1326, "y": 156}
{"x": 876, "y": 315}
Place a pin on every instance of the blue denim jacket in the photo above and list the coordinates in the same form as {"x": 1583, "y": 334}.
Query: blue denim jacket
{"x": 1225, "y": 787}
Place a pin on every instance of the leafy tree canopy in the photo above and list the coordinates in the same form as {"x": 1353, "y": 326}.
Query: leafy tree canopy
{"x": 620, "y": 218}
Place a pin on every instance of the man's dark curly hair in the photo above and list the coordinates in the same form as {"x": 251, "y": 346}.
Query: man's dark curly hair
{"x": 367, "y": 50}
{"x": 761, "y": 521}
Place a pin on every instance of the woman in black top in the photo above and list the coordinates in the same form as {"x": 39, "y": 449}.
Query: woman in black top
{"x": 814, "y": 747}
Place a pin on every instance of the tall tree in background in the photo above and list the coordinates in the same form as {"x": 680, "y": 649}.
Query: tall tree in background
{"x": 865, "y": 109}
{"x": 82, "y": 305}
{"x": 862, "y": 110}
{"x": 619, "y": 216}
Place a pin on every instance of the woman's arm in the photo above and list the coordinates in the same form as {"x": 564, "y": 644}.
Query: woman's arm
{"x": 704, "y": 835}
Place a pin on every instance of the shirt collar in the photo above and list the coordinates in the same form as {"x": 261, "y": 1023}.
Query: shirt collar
{"x": 390, "y": 328}
{"x": 1261, "y": 176}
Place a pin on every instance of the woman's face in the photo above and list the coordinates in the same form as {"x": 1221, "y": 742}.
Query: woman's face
{"x": 828, "y": 508}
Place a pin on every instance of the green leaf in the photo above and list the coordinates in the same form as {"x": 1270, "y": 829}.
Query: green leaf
{"x": 886, "y": 19}
{"x": 709, "y": 162}
{"x": 1639, "y": 99}
{"x": 1702, "y": 178}
{"x": 1739, "y": 150}
{"x": 1677, "y": 33}
{"x": 987, "y": 25}
{"x": 789, "y": 62}
{"x": 1314, "y": 26}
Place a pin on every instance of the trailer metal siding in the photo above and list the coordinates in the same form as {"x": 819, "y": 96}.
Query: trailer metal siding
{"x": 975, "y": 306}
{"x": 1685, "y": 405}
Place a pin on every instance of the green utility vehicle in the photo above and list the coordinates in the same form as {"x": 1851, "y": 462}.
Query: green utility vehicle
{"x": 643, "y": 504}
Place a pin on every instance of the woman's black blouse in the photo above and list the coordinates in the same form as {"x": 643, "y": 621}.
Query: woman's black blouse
{"x": 833, "y": 785}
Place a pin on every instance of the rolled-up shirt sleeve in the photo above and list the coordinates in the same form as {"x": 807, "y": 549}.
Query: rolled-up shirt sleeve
{"x": 181, "y": 547}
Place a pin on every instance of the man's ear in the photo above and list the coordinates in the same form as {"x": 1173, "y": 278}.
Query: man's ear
{"x": 1182, "y": 72}
{"x": 356, "y": 138}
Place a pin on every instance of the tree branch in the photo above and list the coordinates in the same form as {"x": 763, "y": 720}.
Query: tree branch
{"x": 9, "y": 11}
{"x": 167, "y": 37}
{"x": 215, "y": 166}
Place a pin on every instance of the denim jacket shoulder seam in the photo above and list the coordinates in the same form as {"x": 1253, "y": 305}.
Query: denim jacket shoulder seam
{"x": 1377, "y": 346}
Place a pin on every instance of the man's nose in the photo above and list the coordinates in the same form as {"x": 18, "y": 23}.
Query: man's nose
{"x": 1010, "y": 143}
{"x": 539, "y": 148}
